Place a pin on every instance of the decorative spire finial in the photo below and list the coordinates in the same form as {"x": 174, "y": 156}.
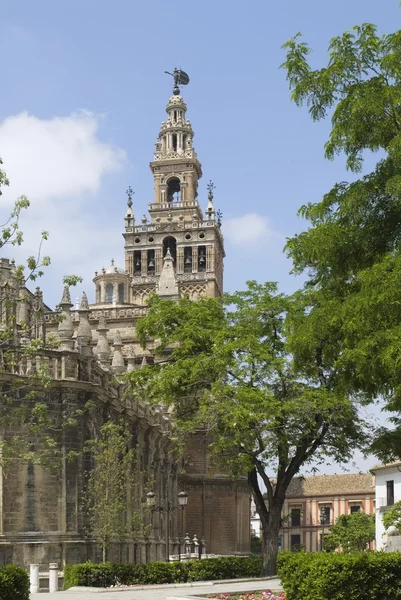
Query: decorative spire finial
{"x": 129, "y": 193}
{"x": 66, "y": 297}
{"x": 210, "y": 188}
{"x": 84, "y": 302}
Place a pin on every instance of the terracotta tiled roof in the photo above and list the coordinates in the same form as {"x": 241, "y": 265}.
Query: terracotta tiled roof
{"x": 347, "y": 483}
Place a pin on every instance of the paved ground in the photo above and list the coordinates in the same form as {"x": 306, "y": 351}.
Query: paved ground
{"x": 163, "y": 593}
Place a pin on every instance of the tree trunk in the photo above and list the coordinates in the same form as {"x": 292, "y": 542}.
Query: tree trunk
{"x": 270, "y": 531}
{"x": 104, "y": 552}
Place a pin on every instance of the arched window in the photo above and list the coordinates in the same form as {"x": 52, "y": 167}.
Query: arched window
{"x": 109, "y": 292}
{"x": 151, "y": 262}
{"x": 121, "y": 293}
{"x": 170, "y": 243}
{"x": 173, "y": 190}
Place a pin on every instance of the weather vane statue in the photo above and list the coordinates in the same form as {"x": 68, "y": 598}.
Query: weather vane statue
{"x": 180, "y": 78}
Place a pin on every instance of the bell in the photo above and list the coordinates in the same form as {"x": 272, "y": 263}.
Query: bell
{"x": 151, "y": 264}
{"x": 188, "y": 260}
{"x": 202, "y": 259}
{"x": 138, "y": 263}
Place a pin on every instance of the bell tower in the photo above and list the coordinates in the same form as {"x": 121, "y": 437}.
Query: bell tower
{"x": 177, "y": 226}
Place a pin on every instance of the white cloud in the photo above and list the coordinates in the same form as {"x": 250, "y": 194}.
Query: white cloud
{"x": 57, "y": 157}
{"x": 60, "y": 164}
{"x": 249, "y": 230}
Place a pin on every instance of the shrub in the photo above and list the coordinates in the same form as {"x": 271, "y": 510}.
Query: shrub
{"x": 107, "y": 574}
{"x": 363, "y": 576}
{"x": 14, "y": 583}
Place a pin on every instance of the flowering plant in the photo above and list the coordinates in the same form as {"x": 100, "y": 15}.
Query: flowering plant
{"x": 266, "y": 595}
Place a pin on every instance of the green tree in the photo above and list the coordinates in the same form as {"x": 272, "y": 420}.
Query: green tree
{"x": 111, "y": 502}
{"x": 351, "y": 533}
{"x": 224, "y": 367}
{"x": 351, "y": 250}
{"x": 393, "y": 516}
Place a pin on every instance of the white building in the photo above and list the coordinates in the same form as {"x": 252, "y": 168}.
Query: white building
{"x": 388, "y": 491}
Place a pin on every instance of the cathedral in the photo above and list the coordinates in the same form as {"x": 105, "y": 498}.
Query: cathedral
{"x": 177, "y": 250}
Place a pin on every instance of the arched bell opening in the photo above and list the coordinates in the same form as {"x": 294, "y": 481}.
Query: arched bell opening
{"x": 170, "y": 243}
{"x": 173, "y": 190}
{"x": 188, "y": 259}
{"x": 151, "y": 262}
{"x": 202, "y": 258}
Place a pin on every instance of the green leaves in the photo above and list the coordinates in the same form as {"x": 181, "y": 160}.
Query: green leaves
{"x": 352, "y": 533}
{"x": 351, "y": 251}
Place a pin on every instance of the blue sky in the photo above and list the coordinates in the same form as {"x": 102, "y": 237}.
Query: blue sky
{"x": 83, "y": 92}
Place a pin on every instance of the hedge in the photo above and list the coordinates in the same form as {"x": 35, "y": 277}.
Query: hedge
{"x": 340, "y": 576}
{"x": 14, "y": 583}
{"x": 104, "y": 575}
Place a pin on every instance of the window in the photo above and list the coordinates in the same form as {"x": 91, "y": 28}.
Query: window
{"x": 175, "y": 142}
{"x": 121, "y": 293}
{"x": 390, "y": 492}
{"x": 296, "y": 517}
{"x": 354, "y": 508}
{"x": 325, "y": 515}
{"x": 109, "y": 292}
{"x": 295, "y": 542}
{"x": 280, "y": 543}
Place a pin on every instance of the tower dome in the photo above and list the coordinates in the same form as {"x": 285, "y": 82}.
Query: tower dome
{"x": 111, "y": 285}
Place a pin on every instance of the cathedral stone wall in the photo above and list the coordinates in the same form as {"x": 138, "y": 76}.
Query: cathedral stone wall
{"x": 177, "y": 251}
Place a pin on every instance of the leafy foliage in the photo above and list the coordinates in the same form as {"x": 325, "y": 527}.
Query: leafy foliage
{"x": 112, "y": 502}
{"x": 107, "y": 574}
{"x": 351, "y": 533}
{"x": 225, "y": 369}
{"x": 340, "y": 576}
{"x": 351, "y": 251}
{"x": 393, "y": 516}
{"x": 14, "y": 583}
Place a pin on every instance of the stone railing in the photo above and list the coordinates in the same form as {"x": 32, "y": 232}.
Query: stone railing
{"x": 71, "y": 366}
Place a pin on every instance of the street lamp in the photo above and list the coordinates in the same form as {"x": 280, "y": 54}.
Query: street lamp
{"x": 322, "y": 522}
{"x": 167, "y": 507}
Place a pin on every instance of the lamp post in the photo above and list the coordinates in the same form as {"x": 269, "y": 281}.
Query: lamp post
{"x": 322, "y": 522}
{"x": 167, "y": 507}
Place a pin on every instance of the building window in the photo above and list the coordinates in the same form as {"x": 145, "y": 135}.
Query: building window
{"x": 121, "y": 293}
{"x": 354, "y": 508}
{"x": 280, "y": 543}
{"x": 390, "y": 492}
{"x": 109, "y": 293}
{"x": 295, "y": 542}
{"x": 325, "y": 515}
{"x": 295, "y": 517}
